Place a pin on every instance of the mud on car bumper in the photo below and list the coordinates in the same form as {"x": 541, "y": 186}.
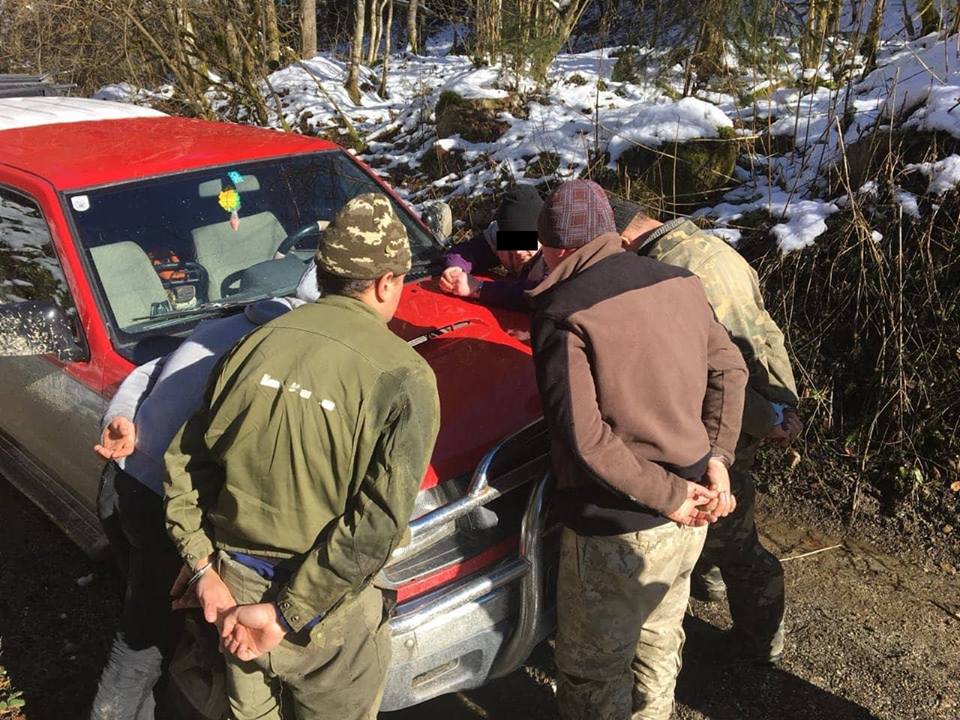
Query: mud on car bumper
{"x": 485, "y": 626}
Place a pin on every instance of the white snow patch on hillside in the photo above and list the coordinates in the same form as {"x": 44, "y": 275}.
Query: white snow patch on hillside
{"x": 476, "y": 85}
{"x": 653, "y": 125}
{"x": 944, "y": 175}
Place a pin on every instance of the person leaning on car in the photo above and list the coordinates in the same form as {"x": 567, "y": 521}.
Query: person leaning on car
{"x": 143, "y": 416}
{"x": 301, "y": 467}
{"x": 733, "y": 555}
{"x": 518, "y": 212}
{"x": 642, "y": 393}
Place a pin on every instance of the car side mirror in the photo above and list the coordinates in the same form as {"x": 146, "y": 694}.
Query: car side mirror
{"x": 37, "y": 328}
{"x": 439, "y": 218}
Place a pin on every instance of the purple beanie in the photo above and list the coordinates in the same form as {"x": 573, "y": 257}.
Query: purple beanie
{"x": 578, "y": 212}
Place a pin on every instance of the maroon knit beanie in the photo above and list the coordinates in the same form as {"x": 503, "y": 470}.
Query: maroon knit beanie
{"x": 577, "y": 213}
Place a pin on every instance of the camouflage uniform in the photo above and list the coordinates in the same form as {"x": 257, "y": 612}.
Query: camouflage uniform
{"x": 753, "y": 576}
{"x": 301, "y": 467}
{"x": 611, "y": 591}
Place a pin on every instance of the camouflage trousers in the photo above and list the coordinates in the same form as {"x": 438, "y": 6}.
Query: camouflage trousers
{"x": 334, "y": 670}
{"x": 620, "y": 606}
{"x": 733, "y": 556}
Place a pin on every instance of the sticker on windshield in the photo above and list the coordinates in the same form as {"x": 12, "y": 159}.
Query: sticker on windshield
{"x": 81, "y": 203}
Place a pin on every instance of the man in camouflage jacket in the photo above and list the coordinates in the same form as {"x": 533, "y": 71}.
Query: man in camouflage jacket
{"x": 296, "y": 479}
{"x": 733, "y": 554}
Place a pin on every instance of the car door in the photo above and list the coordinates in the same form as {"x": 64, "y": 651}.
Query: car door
{"x": 49, "y": 419}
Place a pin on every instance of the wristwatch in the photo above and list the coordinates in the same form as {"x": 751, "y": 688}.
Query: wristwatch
{"x": 476, "y": 293}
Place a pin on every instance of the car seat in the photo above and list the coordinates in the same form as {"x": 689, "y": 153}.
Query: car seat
{"x": 222, "y": 251}
{"x": 132, "y": 286}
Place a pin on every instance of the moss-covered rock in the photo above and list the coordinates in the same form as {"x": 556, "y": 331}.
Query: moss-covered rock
{"x": 437, "y": 162}
{"x": 473, "y": 120}
{"x": 684, "y": 174}
{"x": 867, "y": 158}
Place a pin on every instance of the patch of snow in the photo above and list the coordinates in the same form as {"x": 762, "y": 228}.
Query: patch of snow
{"x": 908, "y": 203}
{"x": 476, "y": 85}
{"x": 805, "y": 219}
{"x": 731, "y": 235}
{"x": 944, "y": 175}
{"x": 653, "y": 125}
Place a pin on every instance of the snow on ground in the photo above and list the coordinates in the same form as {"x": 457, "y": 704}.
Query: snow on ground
{"x": 944, "y": 175}
{"x": 582, "y": 114}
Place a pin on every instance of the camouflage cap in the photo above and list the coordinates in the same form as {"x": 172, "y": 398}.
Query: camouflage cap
{"x": 365, "y": 240}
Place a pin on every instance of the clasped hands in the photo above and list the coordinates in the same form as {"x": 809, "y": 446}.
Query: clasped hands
{"x": 245, "y": 631}
{"x": 705, "y": 504}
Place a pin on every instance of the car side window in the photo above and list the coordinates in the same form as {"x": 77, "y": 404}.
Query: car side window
{"x": 29, "y": 267}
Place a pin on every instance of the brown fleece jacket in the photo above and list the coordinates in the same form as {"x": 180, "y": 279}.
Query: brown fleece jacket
{"x": 640, "y": 385}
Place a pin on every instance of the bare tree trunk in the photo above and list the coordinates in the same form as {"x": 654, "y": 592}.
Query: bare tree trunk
{"x": 375, "y": 21}
{"x": 271, "y": 32}
{"x": 907, "y": 19}
{"x": 413, "y": 41}
{"x": 487, "y": 30}
{"x": 387, "y": 47}
{"x": 308, "y": 29}
{"x": 929, "y": 17}
{"x": 233, "y": 49}
{"x": 871, "y": 42}
{"x": 356, "y": 49}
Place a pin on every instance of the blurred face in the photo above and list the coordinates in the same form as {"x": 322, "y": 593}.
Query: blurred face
{"x": 514, "y": 260}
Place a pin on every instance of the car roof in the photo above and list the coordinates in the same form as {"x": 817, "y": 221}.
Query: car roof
{"x": 72, "y": 154}
{"x": 20, "y": 112}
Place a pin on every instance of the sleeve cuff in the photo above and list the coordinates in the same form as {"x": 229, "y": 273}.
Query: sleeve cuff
{"x": 726, "y": 456}
{"x": 195, "y": 548}
{"x": 295, "y": 615}
{"x": 281, "y": 620}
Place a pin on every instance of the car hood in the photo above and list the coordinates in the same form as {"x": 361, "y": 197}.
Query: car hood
{"x": 485, "y": 375}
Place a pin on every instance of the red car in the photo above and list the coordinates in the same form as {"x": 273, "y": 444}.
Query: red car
{"x": 114, "y": 244}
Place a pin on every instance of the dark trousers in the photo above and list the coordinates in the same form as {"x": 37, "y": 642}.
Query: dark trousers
{"x": 133, "y": 519}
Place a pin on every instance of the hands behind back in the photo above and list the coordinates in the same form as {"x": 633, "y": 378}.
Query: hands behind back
{"x": 693, "y": 511}
{"x": 248, "y": 631}
{"x": 118, "y": 440}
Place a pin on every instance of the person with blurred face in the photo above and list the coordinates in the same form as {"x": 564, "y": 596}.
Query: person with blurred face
{"x": 642, "y": 393}
{"x": 522, "y": 268}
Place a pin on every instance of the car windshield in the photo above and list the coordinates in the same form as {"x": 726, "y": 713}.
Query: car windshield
{"x": 172, "y": 249}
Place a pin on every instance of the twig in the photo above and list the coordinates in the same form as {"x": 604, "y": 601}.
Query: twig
{"x": 812, "y": 552}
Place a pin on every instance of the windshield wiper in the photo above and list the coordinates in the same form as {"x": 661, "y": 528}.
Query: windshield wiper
{"x": 206, "y": 308}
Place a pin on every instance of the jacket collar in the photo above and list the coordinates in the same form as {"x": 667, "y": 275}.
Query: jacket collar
{"x": 661, "y": 232}
{"x": 589, "y": 255}
{"x": 349, "y": 303}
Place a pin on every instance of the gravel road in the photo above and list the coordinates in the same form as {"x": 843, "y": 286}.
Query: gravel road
{"x": 870, "y": 636}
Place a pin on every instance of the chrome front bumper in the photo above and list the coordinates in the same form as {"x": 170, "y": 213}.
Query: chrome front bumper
{"x": 462, "y": 635}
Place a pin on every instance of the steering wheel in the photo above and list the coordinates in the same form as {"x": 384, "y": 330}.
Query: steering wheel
{"x": 291, "y": 240}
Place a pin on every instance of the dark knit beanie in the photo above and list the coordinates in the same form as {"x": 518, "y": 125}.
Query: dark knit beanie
{"x": 624, "y": 211}
{"x": 577, "y": 213}
{"x": 519, "y": 209}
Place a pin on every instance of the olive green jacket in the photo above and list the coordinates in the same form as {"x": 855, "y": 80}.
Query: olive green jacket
{"x": 311, "y": 443}
{"x": 733, "y": 290}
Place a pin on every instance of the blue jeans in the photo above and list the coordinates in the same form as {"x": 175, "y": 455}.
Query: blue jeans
{"x": 130, "y": 686}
